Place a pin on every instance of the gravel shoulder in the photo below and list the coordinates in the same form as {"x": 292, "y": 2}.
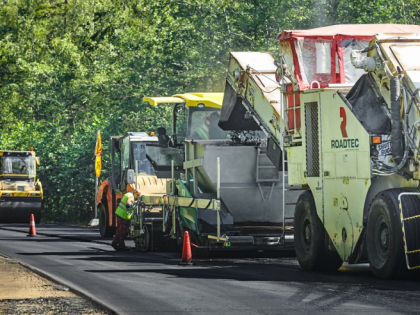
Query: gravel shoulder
{"x": 23, "y": 291}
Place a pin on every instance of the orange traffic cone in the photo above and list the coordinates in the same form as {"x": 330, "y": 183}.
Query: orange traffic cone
{"x": 32, "y": 226}
{"x": 186, "y": 251}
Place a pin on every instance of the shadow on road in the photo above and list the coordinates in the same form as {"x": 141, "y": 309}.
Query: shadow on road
{"x": 51, "y": 226}
{"x": 353, "y": 287}
{"x": 38, "y": 240}
{"x": 282, "y": 269}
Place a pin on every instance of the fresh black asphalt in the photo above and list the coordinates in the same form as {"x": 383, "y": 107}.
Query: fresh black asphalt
{"x": 153, "y": 282}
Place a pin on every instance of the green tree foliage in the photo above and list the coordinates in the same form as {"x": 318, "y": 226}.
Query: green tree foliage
{"x": 71, "y": 67}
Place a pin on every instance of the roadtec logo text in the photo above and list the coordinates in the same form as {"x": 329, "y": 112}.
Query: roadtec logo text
{"x": 344, "y": 144}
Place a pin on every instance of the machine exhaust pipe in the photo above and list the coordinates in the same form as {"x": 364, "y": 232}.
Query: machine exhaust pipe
{"x": 396, "y": 131}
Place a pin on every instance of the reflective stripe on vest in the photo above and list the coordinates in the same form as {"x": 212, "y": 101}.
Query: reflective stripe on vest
{"x": 122, "y": 211}
{"x": 203, "y": 131}
{"x": 122, "y": 205}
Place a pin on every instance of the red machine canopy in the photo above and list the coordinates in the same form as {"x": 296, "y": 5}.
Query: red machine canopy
{"x": 322, "y": 55}
{"x": 353, "y": 30}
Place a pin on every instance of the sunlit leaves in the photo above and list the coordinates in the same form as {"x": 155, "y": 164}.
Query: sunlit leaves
{"x": 71, "y": 67}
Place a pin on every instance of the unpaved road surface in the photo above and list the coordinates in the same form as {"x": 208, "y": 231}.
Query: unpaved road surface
{"x": 22, "y": 291}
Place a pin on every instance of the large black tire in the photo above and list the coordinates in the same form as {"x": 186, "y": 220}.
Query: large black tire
{"x": 384, "y": 237}
{"x": 104, "y": 229}
{"x": 309, "y": 238}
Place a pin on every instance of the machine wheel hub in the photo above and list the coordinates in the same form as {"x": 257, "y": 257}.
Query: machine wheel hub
{"x": 384, "y": 236}
{"x": 307, "y": 232}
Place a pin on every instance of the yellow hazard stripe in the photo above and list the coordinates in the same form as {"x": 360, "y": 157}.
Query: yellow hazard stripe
{"x": 215, "y": 238}
{"x": 413, "y": 251}
{"x": 415, "y": 267}
{"x": 415, "y": 217}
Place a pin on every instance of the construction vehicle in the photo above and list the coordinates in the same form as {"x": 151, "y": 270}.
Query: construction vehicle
{"x": 228, "y": 194}
{"x": 21, "y": 192}
{"x": 144, "y": 161}
{"x": 129, "y": 168}
{"x": 341, "y": 111}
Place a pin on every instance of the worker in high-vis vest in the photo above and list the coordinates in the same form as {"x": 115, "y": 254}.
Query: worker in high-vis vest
{"x": 204, "y": 131}
{"x": 124, "y": 213}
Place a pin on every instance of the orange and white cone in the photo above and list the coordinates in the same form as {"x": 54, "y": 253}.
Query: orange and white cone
{"x": 32, "y": 226}
{"x": 186, "y": 250}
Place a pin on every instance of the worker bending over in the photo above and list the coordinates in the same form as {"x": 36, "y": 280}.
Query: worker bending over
{"x": 124, "y": 213}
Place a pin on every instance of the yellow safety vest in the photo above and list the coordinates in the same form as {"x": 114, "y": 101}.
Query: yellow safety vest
{"x": 203, "y": 131}
{"x": 122, "y": 210}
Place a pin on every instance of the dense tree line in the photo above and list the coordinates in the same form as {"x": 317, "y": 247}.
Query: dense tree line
{"x": 71, "y": 67}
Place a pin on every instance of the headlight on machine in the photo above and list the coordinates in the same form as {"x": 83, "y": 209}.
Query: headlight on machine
{"x": 34, "y": 194}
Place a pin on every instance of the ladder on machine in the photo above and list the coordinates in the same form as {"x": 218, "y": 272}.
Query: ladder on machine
{"x": 259, "y": 180}
{"x": 273, "y": 181}
{"x": 284, "y": 190}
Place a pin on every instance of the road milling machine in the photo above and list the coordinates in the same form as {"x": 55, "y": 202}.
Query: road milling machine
{"x": 346, "y": 125}
{"x": 21, "y": 192}
{"x": 225, "y": 191}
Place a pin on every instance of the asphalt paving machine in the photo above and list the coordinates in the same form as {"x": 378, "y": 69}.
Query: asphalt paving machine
{"x": 225, "y": 192}
{"x": 129, "y": 168}
{"x": 144, "y": 161}
{"x": 343, "y": 115}
{"x": 21, "y": 191}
